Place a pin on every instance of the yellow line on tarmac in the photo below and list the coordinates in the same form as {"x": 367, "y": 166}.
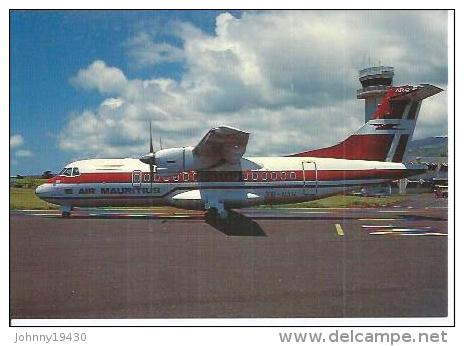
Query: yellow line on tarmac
{"x": 339, "y": 229}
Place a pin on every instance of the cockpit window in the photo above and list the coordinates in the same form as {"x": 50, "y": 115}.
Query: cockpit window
{"x": 66, "y": 172}
{"x": 75, "y": 171}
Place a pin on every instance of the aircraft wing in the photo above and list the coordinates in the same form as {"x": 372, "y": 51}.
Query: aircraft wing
{"x": 222, "y": 143}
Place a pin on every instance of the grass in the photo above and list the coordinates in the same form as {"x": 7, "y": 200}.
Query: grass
{"x": 341, "y": 201}
{"x": 25, "y": 198}
{"x": 30, "y": 183}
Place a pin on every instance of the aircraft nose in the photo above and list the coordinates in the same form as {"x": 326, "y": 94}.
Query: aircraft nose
{"x": 42, "y": 190}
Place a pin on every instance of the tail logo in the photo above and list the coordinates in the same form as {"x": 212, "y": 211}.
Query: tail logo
{"x": 383, "y": 127}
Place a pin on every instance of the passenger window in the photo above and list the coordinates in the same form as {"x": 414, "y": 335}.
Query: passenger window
{"x": 75, "y": 172}
{"x": 146, "y": 177}
{"x": 274, "y": 175}
{"x": 254, "y": 176}
{"x": 283, "y": 175}
{"x": 264, "y": 175}
{"x": 292, "y": 176}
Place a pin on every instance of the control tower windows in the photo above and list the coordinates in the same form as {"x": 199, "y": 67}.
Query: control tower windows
{"x": 376, "y": 81}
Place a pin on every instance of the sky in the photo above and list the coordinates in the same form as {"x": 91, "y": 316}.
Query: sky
{"x": 86, "y": 84}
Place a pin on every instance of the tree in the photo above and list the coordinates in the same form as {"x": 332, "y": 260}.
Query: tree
{"x": 47, "y": 175}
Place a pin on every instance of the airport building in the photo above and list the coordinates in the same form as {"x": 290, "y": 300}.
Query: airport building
{"x": 375, "y": 81}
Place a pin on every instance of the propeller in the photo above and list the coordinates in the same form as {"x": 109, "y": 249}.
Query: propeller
{"x": 149, "y": 159}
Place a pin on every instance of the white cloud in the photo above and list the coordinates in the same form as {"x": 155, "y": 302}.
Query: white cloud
{"x": 23, "y": 153}
{"x": 16, "y": 141}
{"x": 288, "y": 77}
{"x": 107, "y": 80}
{"x": 146, "y": 52}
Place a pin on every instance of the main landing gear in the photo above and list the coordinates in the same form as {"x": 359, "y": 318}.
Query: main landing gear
{"x": 66, "y": 211}
{"x": 214, "y": 214}
{"x": 216, "y": 210}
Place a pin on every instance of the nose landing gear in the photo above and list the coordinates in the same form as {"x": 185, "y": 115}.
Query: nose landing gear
{"x": 66, "y": 211}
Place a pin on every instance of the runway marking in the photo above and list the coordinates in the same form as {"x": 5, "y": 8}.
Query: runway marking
{"x": 394, "y": 227}
{"x": 106, "y": 216}
{"x": 424, "y": 234}
{"x": 339, "y": 229}
{"x": 308, "y": 212}
{"x": 424, "y": 231}
{"x": 47, "y": 214}
{"x": 33, "y": 210}
{"x": 394, "y": 211}
{"x": 378, "y": 219}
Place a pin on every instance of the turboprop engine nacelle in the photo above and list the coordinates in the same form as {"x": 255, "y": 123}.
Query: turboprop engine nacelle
{"x": 174, "y": 160}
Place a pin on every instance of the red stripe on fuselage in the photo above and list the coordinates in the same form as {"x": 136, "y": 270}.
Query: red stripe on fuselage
{"x": 246, "y": 176}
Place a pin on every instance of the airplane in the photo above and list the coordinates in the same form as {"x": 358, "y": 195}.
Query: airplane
{"x": 214, "y": 176}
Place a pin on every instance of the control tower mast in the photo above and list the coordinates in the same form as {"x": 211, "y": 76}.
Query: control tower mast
{"x": 375, "y": 82}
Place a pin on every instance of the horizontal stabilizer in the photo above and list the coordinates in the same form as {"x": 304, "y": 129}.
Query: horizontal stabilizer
{"x": 419, "y": 93}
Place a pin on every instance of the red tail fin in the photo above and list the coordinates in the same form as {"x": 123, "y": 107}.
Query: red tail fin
{"x": 385, "y": 137}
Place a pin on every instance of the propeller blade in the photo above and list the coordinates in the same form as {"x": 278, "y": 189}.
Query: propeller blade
{"x": 151, "y": 140}
{"x": 149, "y": 159}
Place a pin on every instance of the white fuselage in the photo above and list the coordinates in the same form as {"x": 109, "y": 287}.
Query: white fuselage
{"x": 259, "y": 180}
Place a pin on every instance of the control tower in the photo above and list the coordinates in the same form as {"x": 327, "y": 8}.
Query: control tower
{"x": 375, "y": 82}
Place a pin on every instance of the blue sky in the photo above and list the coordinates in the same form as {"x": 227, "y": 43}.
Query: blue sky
{"x": 48, "y": 47}
{"x": 190, "y": 70}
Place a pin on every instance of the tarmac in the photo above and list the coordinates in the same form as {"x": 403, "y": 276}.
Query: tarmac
{"x": 312, "y": 263}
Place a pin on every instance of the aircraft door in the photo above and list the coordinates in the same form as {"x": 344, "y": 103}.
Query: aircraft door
{"x": 310, "y": 180}
{"x": 137, "y": 178}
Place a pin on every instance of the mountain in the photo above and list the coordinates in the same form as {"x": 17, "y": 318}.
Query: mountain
{"x": 428, "y": 147}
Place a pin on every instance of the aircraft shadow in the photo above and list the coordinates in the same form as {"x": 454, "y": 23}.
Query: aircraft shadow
{"x": 236, "y": 225}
